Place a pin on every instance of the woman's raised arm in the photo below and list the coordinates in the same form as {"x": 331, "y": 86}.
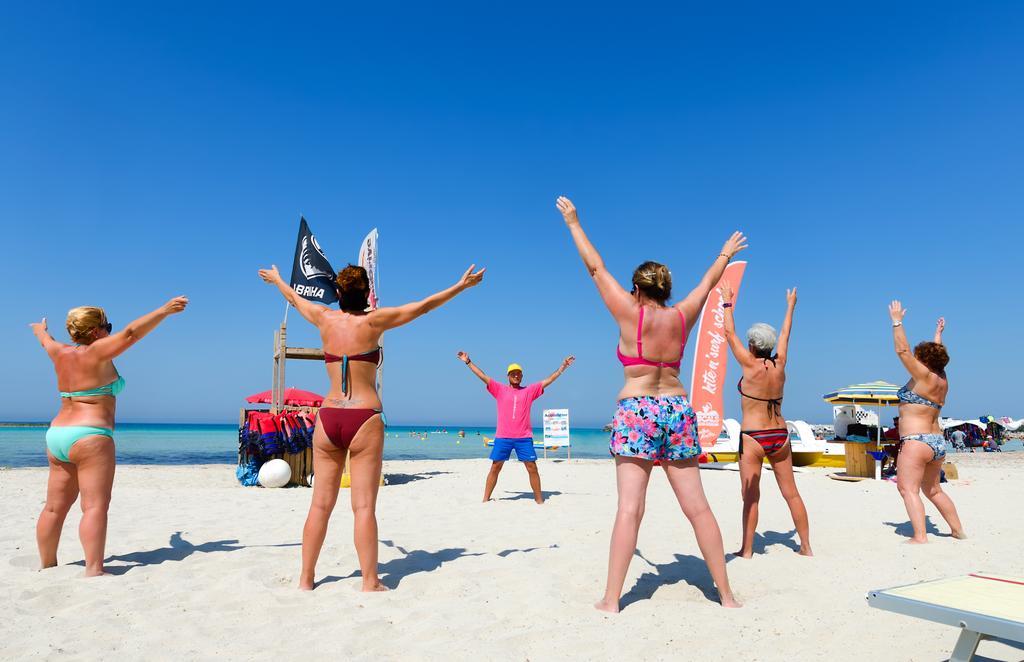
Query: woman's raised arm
{"x": 115, "y": 344}
{"x": 916, "y": 369}
{"x": 312, "y": 312}
{"x": 694, "y": 301}
{"x": 739, "y": 350}
{"x": 45, "y": 339}
{"x": 616, "y": 299}
{"x": 782, "y": 346}
{"x": 391, "y": 317}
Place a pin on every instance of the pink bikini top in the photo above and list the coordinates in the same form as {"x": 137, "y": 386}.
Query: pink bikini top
{"x": 640, "y": 360}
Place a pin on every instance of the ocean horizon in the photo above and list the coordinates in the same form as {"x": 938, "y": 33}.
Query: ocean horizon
{"x": 23, "y": 445}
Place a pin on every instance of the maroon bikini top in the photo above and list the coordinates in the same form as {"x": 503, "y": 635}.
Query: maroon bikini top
{"x": 372, "y": 356}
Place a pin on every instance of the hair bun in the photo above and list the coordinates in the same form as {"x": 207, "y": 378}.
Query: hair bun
{"x": 654, "y": 280}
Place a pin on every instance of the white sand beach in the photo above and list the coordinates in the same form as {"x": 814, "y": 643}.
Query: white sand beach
{"x": 204, "y": 569}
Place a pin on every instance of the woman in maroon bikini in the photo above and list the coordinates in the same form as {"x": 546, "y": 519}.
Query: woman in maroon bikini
{"x": 764, "y": 432}
{"x": 350, "y": 419}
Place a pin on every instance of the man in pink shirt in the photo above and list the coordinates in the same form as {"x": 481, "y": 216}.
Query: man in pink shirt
{"x": 514, "y": 430}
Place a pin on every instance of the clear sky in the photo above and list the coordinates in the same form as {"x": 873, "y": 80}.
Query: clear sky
{"x": 870, "y": 151}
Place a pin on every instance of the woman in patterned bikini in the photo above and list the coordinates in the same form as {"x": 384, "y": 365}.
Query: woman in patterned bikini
{"x": 922, "y": 446}
{"x": 764, "y": 432}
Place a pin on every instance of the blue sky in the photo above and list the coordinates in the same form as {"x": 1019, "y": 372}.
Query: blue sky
{"x": 869, "y": 151}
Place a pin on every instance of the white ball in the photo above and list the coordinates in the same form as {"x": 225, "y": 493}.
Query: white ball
{"x": 275, "y": 473}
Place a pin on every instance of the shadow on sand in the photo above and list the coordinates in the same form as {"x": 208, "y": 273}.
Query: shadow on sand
{"x": 546, "y": 494}
{"x": 402, "y": 479}
{"x": 419, "y": 560}
{"x": 906, "y": 529}
{"x": 178, "y": 549}
{"x": 771, "y": 538}
{"x": 686, "y": 568}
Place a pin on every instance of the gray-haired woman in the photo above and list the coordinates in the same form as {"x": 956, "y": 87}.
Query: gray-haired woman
{"x": 763, "y": 429}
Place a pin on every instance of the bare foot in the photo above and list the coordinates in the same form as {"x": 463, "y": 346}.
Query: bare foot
{"x": 729, "y": 602}
{"x": 959, "y": 535}
{"x": 805, "y": 550}
{"x": 917, "y": 541}
{"x": 374, "y": 587}
{"x": 95, "y": 572}
{"x": 606, "y": 605}
{"x": 744, "y": 555}
{"x": 540, "y": 502}
{"x": 306, "y": 584}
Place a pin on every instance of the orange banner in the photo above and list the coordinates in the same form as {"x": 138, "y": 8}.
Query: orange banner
{"x": 711, "y": 358}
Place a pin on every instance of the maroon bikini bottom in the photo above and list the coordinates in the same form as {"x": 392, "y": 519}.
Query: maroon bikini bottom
{"x": 341, "y": 425}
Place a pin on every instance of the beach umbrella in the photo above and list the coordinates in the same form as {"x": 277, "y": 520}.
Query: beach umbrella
{"x": 292, "y": 396}
{"x": 878, "y": 394}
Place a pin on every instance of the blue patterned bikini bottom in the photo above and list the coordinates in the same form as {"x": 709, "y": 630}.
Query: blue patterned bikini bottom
{"x": 935, "y": 441}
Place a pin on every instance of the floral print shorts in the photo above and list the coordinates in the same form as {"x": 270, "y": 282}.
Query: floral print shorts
{"x": 655, "y": 428}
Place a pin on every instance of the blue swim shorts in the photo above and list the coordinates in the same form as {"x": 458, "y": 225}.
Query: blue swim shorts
{"x": 503, "y": 448}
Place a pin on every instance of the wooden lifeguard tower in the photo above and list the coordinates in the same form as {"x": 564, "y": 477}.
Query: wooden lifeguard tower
{"x": 301, "y": 462}
{"x": 282, "y": 352}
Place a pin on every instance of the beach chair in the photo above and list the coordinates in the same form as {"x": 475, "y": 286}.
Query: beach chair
{"x": 982, "y": 605}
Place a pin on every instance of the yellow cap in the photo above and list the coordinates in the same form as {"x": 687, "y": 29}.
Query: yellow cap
{"x": 514, "y": 366}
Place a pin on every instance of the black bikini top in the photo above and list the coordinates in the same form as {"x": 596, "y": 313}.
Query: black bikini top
{"x": 774, "y": 404}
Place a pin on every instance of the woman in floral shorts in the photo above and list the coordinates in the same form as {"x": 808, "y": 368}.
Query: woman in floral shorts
{"x": 654, "y": 420}
{"x": 655, "y": 428}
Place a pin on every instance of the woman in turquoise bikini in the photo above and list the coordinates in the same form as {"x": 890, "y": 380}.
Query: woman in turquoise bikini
{"x": 922, "y": 445}
{"x": 79, "y": 442}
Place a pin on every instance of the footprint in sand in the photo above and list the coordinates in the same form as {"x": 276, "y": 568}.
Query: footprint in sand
{"x": 271, "y": 580}
{"x": 28, "y": 562}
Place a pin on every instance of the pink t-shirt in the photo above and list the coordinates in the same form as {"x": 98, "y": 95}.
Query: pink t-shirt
{"x": 514, "y": 408}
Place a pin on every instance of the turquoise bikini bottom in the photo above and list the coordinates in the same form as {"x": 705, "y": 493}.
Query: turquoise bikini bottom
{"x": 60, "y": 439}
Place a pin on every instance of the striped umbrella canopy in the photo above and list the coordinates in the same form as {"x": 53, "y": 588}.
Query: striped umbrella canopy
{"x": 879, "y": 394}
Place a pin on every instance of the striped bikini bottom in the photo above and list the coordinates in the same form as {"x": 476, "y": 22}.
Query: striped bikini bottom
{"x": 771, "y": 440}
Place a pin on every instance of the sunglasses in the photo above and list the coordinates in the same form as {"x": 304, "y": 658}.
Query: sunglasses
{"x": 108, "y": 327}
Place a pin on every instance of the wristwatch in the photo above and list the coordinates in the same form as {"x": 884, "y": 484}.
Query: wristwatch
{"x": 896, "y": 324}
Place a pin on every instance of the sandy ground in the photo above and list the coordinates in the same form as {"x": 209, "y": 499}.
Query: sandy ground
{"x": 206, "y": 569}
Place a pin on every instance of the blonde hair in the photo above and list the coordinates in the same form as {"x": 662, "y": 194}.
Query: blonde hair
{"x": 654, "y": 280}
{"x": 82, "y": 321}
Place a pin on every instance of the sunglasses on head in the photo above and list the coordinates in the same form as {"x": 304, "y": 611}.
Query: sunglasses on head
{"x": 108, "y": 327}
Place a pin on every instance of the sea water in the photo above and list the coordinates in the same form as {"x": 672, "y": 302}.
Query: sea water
{"x": 147, "y": 443}
{"x": 157, "y": 443}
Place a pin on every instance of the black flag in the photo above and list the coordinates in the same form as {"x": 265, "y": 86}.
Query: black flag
{"x": 312, "y": 273}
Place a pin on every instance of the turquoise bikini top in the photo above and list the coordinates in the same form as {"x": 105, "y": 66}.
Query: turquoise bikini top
{"x": 111, "y": 389}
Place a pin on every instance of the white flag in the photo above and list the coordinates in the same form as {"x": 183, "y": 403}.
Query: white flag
{"x": 368, "y": 261}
